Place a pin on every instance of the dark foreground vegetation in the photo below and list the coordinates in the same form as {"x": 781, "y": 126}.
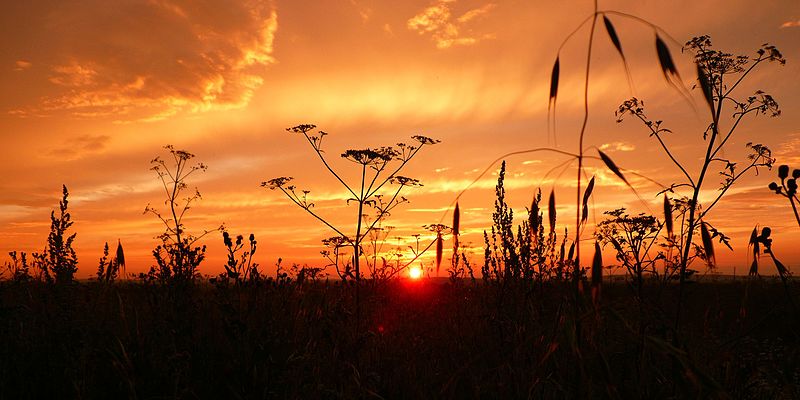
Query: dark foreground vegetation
{"x": 412, "y": 339}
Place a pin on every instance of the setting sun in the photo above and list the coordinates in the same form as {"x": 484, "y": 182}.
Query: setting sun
{"x": 415, "y": 272}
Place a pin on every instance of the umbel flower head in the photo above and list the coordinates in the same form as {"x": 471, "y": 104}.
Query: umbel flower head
{"x": 277, "y": 183}
{"x": 371, "y": 156}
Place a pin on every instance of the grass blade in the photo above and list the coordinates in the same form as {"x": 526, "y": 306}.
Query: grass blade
{"x": 705, "y": 85}
{"x": 665, "y": 59}
{"x": 708, "y": 244}
{"x": 554, "y": 75}
{"x": 668, "y": 220}
{"x": 439, "y": 248}
{"x": 612, "y": 34}
{"x": 597, "y": 272}
{"x": 551, "y": 211}
{"x": 456, "y": 223}
{"x": 613, "y": 167}
{"x": 586, "y": 194}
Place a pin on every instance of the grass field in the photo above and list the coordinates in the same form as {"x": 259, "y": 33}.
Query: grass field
{"x": 410, "y": 339}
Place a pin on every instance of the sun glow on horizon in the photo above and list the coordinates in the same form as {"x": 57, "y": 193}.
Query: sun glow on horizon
{"x": 415, "y": 273}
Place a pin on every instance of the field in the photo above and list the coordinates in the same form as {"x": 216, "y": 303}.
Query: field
{"x": 408, "y": 339}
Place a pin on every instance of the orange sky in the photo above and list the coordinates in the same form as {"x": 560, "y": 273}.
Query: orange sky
{"x": 93, "y": 91}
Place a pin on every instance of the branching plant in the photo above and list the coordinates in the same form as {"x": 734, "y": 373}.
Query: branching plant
{"x": 178, "y": 256}
{"x": 634, "y": 239}
{"x": 378, "y": 168}
{"x": 240, "y": 267}
{"x": 719, "y": 75}
{"x": 58, "y": 261}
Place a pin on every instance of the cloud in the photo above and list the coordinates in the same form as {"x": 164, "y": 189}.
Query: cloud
{"x": 80, "y": 146}
{"x": 21, "y": 65}
{"x": 791, "y": 24}
{"x": 152, "y": 59}
{"x": 437, "y": 20}
{"x": 618, "y": 146}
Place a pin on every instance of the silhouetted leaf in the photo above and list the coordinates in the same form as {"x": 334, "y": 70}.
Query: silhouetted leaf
{"x": 708, "y": 244}
{"x": 571, "y": 252}
{"x": 597, "y": 273}
{"x": 668, "y": 215}
{"x": 554, "y": 81}
{"x": 120, "y": 255}
{"x": 456, "y": 223}
{"x": 705, "y": 85}
{"x": 534, "y": 216}
{"x": 586, "y": 194}
{"x": 439, "y": 248}
{"x": 665, "y": 59}
{"x": 754, "y": 242}
{"x": 613, "y": 167}
{"x": 551, "y": 210}
{"x": 612, "y": 34}
{"x": 597, "y": 265}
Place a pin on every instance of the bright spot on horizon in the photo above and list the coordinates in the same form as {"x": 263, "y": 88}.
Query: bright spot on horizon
{"x": 415, "y": 273}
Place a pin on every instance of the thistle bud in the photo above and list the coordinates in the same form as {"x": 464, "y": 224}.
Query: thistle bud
{"x": 796, "y": 173}
{"x": 783, "y": 171}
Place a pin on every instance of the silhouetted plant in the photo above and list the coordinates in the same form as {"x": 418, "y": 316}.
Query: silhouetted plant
{"x": 178, "y": 256}
{"x": 527, "y": 253}
{"x": 758, "y": 240}
{"x": 18, "y": 268}
{"x": 108, "y": 269}
{"x": 240, "y": 268}
{"x": 378, "y": 167}
{"x": 337, "y": 256}
{"x": 714, "y": 69}
{"x": 788, "y": 188}
{"x": 633, "y": 238}
{"x": 58, "y": 260}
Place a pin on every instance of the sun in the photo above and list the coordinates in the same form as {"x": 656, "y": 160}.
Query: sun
{"x": 415, "y": 272}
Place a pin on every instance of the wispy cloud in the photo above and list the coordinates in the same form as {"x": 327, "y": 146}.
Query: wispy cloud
{"x": 21, "y": 65}
{"x": 446, "y": 31}
{"x": 80, "y": 146}
{"x": 142, "y": 62}
{"x": 618, "y": 146}
{"x": 791, "y": 24}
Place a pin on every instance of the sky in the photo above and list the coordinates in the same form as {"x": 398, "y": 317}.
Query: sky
{"x": 93, "y": 90}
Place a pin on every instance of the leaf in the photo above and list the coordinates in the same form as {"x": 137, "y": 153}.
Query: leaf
{"x": 708, "y": 244}
{"x": 668, "y": 220}
{"x": 551, "y": 210}
{"x": 120, "y": 255}
{"x": 439, "y": 248}
{"x": 613, "y": 167}
{"x": 456, "y": 219}
{"x": 665, "y": 59}
{"x": 612, "y": 34}
{"x": 705, "y": 85}
{"x": 586, "y": 194}
{"x": 597, "y": 273}
{"x": 754, "y": 242}
{"x": 456, "y": 223}
{"x": 554, "y": 81}
{"x": 534, "y": 217}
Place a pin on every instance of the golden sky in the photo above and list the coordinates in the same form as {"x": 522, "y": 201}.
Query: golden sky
{"x": 92, "y": 91}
